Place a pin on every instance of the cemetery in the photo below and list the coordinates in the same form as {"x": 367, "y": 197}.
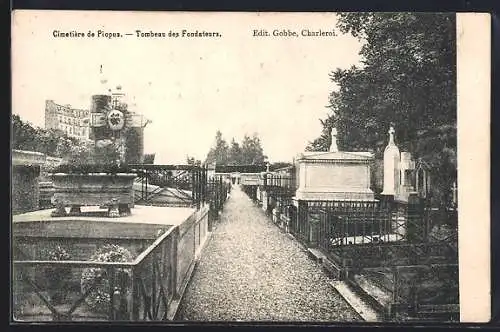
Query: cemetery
{"x": 384, "y": 244}
{"x": 351, "y": 219}
{"x": 118, "y": 242}
{"x": 104, "y": 239}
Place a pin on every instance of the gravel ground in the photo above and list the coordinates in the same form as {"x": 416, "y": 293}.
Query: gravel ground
{"x": 251, "y": 271}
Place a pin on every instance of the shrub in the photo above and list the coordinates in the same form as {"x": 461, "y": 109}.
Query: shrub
{"x": 91, "y": 168}
{"x": 99, "y": 298}
{"x": 58, "y": 253}
{"x": 57, "y": 277}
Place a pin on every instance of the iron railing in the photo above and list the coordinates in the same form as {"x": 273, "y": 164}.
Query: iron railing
{"x": 217, "y": 194}
{"x": 171, "y": 185}
{"x": 146, "y": 289}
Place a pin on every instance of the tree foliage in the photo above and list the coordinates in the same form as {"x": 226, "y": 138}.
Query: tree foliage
{"x": 56, "y": 143}
{"x": 49, "y": 141}
{"x": 407, "y": 78}
{"x": 219, "y": 152}
{"x": 249, "y": 152}
{"x": 235, "y": 153}
{"x": 192, "y": 161}
{"x": 149, "y": 158}
{"x": 133, "y": 147}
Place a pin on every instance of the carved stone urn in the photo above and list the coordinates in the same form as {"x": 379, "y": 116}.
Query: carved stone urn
{"x": 114, "y": 191}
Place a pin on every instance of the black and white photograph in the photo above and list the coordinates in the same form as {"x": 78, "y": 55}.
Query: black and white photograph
{"x": 187, "y": 167}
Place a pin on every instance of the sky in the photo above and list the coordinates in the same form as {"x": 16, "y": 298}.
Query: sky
{"x": 189, "y": 88}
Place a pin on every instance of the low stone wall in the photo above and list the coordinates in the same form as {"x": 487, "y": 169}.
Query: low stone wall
{"x": 192, "y": 236}
{"x": 172, "y": 256}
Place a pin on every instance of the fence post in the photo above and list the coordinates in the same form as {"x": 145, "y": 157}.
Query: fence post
{"x": 395, "y": 294}
{"x": 205, "y": 184}
{"x": 414, "y": 223}
{"x": 175, "y": 245}
{"x": 111, "y": 278}
{"x": 134, "y": 299}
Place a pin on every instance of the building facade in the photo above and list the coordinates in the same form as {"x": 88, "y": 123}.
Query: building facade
{"x": 76, "y": 123}
{"x": 73, "y": 122}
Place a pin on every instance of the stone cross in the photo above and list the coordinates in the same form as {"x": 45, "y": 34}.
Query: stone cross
{"x": 333, "y": 146}
{"x": 391, "y": 134}
{"x": 392, "y": 160}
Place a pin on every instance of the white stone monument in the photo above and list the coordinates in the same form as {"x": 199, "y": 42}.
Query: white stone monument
{"x": 334, "y": 175}
{"x": 333, "y": 145}
{"x": 406, "y": 169}
{"x": 392, "y": 159}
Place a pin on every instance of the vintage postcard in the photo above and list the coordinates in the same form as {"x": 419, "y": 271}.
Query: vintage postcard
{"x": 244, "y": 167}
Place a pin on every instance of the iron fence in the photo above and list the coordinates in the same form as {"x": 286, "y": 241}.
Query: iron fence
{"x": 390, "y": 244}
{"x": 217, "y": 194}
{"x": 251, "y": 191}
{"x": 145, "y": 289}
{"x": 171, "y": 185}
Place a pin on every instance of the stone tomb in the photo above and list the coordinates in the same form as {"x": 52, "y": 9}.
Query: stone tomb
{"x": 35, "y": 233}
{"x": 331, "y": 176}
{"x": 334, "y": 175}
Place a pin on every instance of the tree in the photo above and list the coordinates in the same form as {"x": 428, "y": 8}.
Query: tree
{"x": 219, "y": 152}
{"x": 407, "y": 77}
{"x": 52, "y": 142}
{"x": 132, "y": 147}
{"x": 149, "y": 158}
{"x": 251, "y": 150}
{"x": 193, "y": 161}
{"x": 24, "y": 136}
{"x": 323, "y": 142}
{"x": 235, "y": 153}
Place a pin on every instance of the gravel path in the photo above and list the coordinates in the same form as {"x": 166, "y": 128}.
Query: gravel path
{"x": 251, "y": 271}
